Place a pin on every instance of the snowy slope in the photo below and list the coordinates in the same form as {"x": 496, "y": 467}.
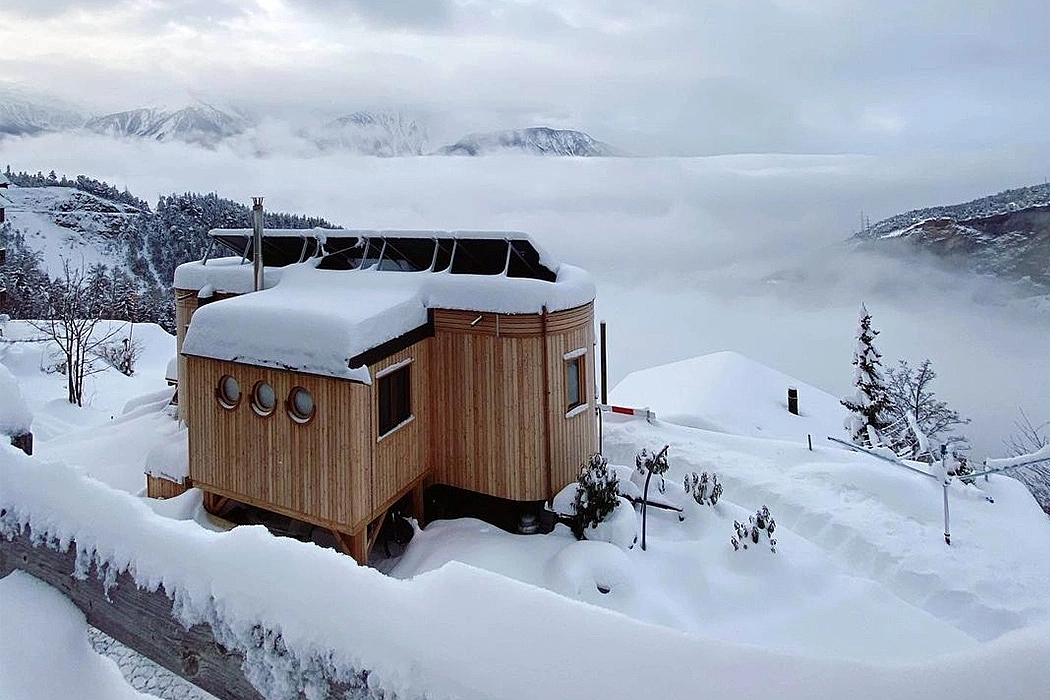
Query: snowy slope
{"x": 200, "y": 123}
{"x": 374, "y": 134}
{"x": 65, "y": 224}
{"x": 28, "y": 113}
{"x": 862, "y": 599}
{"x": 540, "y": 140}
{"x": 730, "y": 393}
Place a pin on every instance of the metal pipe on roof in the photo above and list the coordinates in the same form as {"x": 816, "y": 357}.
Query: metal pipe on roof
{"x": 257, "y": 244}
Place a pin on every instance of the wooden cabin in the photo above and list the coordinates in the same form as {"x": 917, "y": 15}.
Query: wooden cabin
{"x": 373, "y": 365}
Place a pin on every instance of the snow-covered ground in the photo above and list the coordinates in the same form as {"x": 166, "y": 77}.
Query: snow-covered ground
{"x": 862, "y": 597}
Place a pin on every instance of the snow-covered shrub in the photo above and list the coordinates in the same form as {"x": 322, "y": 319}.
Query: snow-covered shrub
{"x": 121, "y": 355}
{"x": 751, "y": 531}
{"x": 597, "y": 494}
{"x": 704, "y": 489}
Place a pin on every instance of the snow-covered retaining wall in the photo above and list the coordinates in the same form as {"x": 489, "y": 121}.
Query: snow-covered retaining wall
{"x": 454, "y": 632}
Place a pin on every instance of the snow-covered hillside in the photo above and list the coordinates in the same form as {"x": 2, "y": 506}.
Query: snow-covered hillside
{"x": 65, "y": 224}
{"x": 200, "y": 123}
{"x": 374, "y": 134}
{"x": 540, "y": 140}
{"x": 862, "y": 598}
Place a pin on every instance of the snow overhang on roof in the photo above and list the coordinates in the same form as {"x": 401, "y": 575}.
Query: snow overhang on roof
{"x": 363, "y": 289}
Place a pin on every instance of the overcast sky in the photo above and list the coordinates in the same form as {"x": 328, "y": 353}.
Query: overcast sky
{"x": 659, "y": 76}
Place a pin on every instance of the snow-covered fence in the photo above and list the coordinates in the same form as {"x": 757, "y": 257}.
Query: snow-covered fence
{"x": 305, "y": 620}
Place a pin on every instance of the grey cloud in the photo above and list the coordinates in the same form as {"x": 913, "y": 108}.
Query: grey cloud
{"x": 417, "y": 14}
{"x": 144, "y": 14}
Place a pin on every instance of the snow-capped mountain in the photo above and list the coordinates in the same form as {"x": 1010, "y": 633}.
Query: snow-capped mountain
{"x": 539, "y": 140}
{"x": 375, "y": 134}
{"x": 1007, "y": 234}
{"x": 26, "y": 114}
{"x": 201, "y": 123}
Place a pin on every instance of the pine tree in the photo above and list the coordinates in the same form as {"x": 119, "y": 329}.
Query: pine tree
{"x": 870, "y": 406}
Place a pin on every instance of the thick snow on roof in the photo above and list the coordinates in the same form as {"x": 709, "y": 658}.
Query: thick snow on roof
{"x": 730, "y": 393}
{"x": 315, "y": 321}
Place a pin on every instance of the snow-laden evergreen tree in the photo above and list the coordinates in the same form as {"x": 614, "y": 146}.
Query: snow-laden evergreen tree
{"x": 870, "y": 405}
{"x": 597, "y": 494}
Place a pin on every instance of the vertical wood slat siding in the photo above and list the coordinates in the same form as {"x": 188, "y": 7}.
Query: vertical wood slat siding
{"x": 403, "y": 455}
{"x": 487, "y": 401}
{"x": 477, "y": 401}
{"x": 572, "y": 439}
{"x": 185, "y": 305}
{"x": 320, "y": 471}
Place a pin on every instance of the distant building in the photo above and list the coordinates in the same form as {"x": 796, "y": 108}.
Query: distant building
{"x": 380, "y": 369}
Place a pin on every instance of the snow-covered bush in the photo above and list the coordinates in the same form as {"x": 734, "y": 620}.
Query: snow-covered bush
{"x": 751, "y": 531}
{"x": 121, "y": 355}
{"x": 871, "y": 404}
{"x": 597, "y": 494}
{"x": 704, "y": 489}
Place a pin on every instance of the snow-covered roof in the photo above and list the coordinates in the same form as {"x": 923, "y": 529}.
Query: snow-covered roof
{"x": 317, "y": 320}
{"x": 4, "y": 182}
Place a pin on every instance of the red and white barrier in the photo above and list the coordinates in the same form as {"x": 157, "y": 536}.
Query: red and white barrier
{"x": 628, "y": 411}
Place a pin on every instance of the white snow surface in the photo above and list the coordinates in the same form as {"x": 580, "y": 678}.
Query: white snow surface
{"x": 316, "y": 321}
{"x": 730, "y": 393}
{"x": 862, "y": 600}
{"x": 15, "y": 417}
{"x": 45, "y": 653}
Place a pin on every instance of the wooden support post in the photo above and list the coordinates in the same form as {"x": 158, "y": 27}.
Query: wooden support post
{"x": 418, "y": 504}
{"x": 793, "y": 400}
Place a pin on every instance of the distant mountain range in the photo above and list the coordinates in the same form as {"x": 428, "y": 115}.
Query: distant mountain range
{"x": 1006, "y": 234}
{"x": 387, "y": 134}
{"x": 539, "y": 140}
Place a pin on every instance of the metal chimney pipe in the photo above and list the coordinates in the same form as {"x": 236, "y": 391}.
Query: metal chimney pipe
{"x": 257, "y": 241}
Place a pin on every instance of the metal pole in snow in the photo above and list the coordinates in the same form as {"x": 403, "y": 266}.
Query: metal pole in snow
{"x": 605, "y": 365}
{"x": 947, "y": 534}
{"x": 257, "y": 244}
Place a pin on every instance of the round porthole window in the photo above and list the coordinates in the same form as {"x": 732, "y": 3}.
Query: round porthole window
{"x": 229, "y": 392}
{"x": 300, "y": 405}
{"x": 263, "y": 398}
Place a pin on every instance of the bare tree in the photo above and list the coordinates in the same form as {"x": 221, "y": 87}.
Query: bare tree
{"x": 1029, "y": 437}
{"x": 73, "y": 315}
{"x": 910, "y": 392}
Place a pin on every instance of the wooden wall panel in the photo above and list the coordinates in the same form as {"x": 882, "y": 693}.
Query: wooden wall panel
{"x": 572, "y": 439}
{"x": 402, "y": 456}
{"x": 320, "y": 471}
{"x": 489, "y": 433}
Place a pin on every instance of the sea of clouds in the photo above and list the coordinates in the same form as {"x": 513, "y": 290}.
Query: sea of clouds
{"x": 691, "y": 255}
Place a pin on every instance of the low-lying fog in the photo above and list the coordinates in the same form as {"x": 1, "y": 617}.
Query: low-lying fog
{"x": 691, "y": 255}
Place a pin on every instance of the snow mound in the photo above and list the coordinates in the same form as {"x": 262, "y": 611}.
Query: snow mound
{"x": 45, "y": 651}
{"x": 15, "y": 418}
{"x": 729, "y": 393}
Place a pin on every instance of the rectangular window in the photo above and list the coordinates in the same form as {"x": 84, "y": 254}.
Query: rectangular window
{"x": 395, "y": 399}
{"x": 574, "y": 388}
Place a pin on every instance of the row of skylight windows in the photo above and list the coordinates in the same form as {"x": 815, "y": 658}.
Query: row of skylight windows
{"x": 459, "y": 256}
{"x": 299, "y": 404}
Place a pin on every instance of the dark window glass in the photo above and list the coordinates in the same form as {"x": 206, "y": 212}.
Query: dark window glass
{"x": 342, "y": 253}
{"x": 229, "y": 392}
{"x": 444, "y": 255}
{"x": 278, "y": 251}
{"x": 525, "y": 262}
{"x": 408, "y": 254}
{"x": 574, "y": 383}
{"x": 479, "y": 256}
{"x": 395, "y": 399}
